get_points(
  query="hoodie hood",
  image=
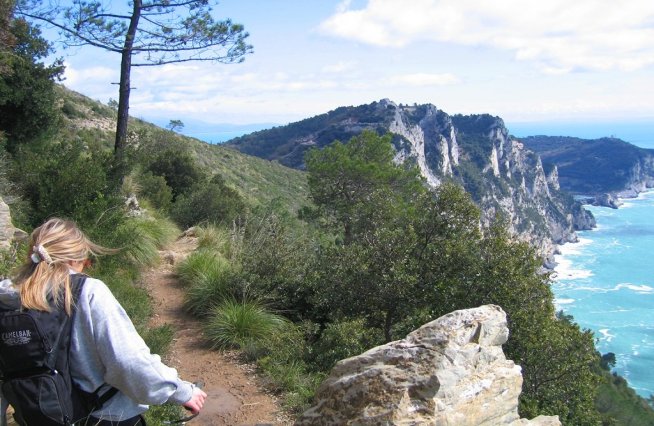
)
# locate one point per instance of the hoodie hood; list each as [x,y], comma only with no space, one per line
[9,297]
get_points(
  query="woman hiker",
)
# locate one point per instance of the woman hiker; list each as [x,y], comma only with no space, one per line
[105,350]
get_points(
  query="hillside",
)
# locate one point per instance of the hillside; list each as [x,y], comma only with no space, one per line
[475,151]
[258,180]
[596,166]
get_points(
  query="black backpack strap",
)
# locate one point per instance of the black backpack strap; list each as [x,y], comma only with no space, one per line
[76,283]
[101,400]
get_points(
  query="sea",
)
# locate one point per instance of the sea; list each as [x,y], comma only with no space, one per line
[606,280]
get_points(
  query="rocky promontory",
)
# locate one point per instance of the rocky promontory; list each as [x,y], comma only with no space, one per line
[600,170]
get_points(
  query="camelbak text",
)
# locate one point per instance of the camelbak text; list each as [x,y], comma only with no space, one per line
[19,337]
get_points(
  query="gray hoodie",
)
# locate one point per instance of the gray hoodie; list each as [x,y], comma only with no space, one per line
[106,349]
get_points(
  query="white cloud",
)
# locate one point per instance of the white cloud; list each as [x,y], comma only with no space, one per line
[423,79]
[339,67]
[96,80]
[558,34]
[75,76]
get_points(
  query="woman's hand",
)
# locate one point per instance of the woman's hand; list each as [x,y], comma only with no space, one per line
[196,402]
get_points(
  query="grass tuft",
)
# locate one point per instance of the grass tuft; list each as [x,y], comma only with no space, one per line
[142,238]
[237,324]
[215,238]
[210,279]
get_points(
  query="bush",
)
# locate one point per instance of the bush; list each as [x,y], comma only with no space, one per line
[213,237]
[159,338]
[155,189]
[66,180]
[12,258]
[213,203]
[179,169]
[342,340]
[235,324]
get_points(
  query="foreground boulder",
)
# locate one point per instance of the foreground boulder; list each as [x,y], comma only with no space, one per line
[451,371]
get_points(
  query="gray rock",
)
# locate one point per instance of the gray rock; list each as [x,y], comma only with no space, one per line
[451,371]
[7,230]
[606,200]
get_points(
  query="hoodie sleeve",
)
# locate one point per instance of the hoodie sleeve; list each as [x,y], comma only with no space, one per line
[126,360]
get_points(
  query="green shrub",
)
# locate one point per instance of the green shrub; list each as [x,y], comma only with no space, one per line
[292,378]
[159,415]
[70,110]
[12,258]
[210,279]
[342,340]
[67,180]
[234,324]
[159,338]
[155,189]
[179,169]
[212,203]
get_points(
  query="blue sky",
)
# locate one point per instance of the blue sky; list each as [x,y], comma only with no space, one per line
[523,60]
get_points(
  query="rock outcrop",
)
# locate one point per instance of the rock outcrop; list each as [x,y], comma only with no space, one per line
[451,371]
[8,232]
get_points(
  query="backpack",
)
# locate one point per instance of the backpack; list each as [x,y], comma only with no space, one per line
[34,366]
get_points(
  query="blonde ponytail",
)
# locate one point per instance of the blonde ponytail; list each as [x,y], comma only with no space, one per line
[53,246]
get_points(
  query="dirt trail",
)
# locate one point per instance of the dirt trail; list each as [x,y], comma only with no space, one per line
[234,395]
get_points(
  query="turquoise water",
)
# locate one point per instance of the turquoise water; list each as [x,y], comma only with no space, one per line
[606,281]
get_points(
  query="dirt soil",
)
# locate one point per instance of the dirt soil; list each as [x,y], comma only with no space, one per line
[235,393]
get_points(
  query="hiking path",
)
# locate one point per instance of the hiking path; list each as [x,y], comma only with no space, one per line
[236,395]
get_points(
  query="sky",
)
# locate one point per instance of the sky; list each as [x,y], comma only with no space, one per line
[527,61]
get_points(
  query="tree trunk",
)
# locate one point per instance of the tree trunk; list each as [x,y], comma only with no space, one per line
[388,323]
[124,91]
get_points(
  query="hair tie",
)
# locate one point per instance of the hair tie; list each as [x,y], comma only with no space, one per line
[39,253]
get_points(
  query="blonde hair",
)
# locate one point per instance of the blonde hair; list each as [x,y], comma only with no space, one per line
[46,273]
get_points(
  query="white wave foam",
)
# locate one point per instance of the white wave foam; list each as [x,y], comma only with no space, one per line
[564,301]
[615,243]
[565,271]
[606,336]
[568,249]
[645,194]
[641,289]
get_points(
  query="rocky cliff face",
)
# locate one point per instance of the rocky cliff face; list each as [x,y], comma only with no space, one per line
[451,371]
[501,174]
[476,151]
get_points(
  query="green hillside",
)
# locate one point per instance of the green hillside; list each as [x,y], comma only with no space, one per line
[258,180]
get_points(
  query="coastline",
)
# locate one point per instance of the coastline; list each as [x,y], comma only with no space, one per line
[599,282]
